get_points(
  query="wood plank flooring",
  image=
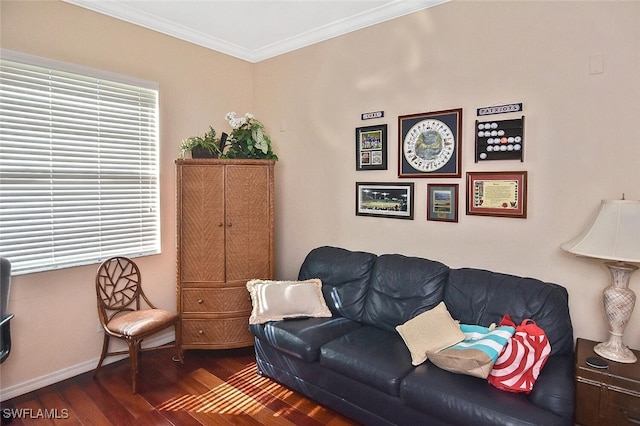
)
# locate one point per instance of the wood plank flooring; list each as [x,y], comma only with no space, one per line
[210,388]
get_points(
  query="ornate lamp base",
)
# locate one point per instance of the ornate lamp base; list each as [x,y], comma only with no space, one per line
[619,301]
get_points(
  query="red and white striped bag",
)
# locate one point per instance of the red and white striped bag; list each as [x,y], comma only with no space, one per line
[520,362]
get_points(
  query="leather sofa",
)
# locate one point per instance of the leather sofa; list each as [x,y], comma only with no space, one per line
[357,364]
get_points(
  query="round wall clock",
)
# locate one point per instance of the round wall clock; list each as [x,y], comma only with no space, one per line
[430,144]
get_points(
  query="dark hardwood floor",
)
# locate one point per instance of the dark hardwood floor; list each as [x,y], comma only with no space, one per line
[210,388]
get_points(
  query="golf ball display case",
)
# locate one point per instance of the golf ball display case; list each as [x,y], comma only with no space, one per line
[500,140]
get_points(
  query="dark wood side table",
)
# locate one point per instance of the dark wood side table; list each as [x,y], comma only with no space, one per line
[606,396]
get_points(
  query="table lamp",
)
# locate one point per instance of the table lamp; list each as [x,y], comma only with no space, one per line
[613,234]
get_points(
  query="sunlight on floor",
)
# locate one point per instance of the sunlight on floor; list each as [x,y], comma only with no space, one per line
[243,393]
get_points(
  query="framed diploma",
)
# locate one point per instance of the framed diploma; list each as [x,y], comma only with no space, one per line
[502,194]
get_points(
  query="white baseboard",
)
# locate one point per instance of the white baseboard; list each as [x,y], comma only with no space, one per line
[74,370]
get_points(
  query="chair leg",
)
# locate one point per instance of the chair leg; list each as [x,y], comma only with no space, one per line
[105,349]
[133,358]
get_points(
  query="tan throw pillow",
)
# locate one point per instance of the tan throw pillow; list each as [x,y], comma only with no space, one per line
[277,300]
[430,331]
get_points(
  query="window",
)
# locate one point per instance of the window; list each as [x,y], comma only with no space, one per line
[78,165]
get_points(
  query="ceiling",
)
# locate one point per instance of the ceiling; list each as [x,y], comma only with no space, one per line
[255,30]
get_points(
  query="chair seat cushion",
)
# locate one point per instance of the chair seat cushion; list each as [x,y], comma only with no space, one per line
[137,323]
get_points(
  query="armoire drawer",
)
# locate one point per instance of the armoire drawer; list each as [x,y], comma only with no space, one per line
[211,331]
[219,300]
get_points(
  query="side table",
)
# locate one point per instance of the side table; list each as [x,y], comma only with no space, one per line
[606,396]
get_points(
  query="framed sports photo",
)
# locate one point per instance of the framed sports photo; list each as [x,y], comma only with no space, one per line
[371,147]
[391,200]
[429,144]
[501,194]
[442,202]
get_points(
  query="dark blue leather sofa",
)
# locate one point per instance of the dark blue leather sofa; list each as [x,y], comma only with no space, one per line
[357,364]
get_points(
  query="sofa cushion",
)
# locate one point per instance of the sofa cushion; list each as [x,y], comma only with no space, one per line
[466,400]
[345,277]
[277,300]
[302,338]
[475,296]
[375,357]
[431,331]
[401,288]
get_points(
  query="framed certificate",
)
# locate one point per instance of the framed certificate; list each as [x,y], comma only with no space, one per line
[497,194]
[429,144]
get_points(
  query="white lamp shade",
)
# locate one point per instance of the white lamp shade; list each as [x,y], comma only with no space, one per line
[612,234]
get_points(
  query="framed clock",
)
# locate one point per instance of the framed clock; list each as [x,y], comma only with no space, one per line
[429,144]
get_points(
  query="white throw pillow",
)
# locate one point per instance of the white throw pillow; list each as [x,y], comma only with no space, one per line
[277,300]
[431,331]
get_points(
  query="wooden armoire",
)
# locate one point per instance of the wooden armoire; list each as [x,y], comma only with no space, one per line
[224,238]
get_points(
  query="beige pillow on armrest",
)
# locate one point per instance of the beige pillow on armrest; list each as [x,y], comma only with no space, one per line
[277,300]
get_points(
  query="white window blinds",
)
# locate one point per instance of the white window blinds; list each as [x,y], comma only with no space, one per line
[78,166]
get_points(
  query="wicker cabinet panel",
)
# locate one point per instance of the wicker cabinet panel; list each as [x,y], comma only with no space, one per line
[217,333]
[224,238]
[219,300]
[248,216]
[201,207]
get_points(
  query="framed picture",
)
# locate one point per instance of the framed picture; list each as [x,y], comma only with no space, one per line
[371,148]
[497,194]
[392,200]
[429,144]
[442,202]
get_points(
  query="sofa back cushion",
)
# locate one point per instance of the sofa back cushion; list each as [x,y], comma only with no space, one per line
[475,296]
[401,288]
[345,278]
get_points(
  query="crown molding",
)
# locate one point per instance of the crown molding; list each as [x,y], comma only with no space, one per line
[391,10]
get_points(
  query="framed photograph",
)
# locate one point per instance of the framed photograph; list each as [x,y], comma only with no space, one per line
[429,144]
[392,200]
[497,194]
[371,148]
[442,202]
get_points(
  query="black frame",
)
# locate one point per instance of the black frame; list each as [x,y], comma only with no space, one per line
[371,157]
[386,206]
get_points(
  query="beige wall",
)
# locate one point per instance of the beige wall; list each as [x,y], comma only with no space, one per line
[55,329]
[580,143]
[581,130]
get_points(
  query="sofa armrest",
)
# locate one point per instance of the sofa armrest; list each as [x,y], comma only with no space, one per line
[555,389]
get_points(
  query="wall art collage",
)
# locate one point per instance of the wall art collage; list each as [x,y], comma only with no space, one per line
[430,146]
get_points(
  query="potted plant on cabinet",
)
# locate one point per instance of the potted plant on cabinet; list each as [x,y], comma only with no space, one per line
[248,138]
[206,146]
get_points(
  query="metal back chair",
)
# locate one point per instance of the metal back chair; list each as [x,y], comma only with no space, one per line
[126,313]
